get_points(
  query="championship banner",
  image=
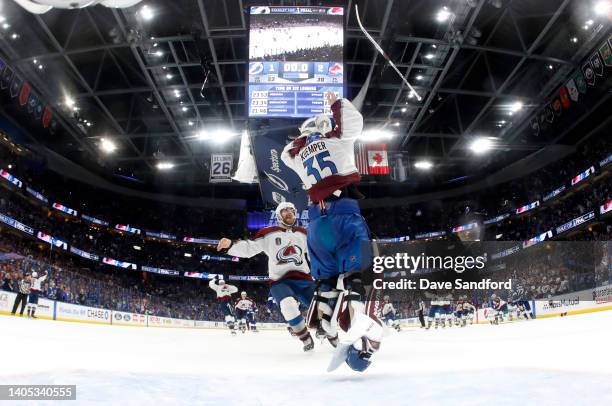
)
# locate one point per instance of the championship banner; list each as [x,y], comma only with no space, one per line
[597,64]
[7,79]
[277,182]
[221,166]
[606,54]
[589,73]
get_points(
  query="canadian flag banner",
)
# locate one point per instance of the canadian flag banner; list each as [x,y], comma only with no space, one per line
[378,161]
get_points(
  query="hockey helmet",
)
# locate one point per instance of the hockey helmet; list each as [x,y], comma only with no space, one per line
[356,360]
[320,124]
[282,206]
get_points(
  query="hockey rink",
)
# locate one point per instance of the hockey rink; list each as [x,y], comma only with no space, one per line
[555,361]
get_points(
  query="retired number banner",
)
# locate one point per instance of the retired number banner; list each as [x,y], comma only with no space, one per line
[221,166]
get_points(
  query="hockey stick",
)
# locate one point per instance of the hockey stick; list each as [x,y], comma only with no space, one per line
[383,53]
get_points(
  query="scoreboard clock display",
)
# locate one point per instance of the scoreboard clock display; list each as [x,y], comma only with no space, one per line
[295,57]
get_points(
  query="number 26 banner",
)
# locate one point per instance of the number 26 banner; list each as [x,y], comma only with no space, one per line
[221,166]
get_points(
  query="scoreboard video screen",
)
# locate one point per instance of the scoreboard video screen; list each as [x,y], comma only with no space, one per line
[295,56]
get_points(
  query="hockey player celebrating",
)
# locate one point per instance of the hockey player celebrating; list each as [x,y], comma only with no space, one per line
[35,291]
[245,313]
[224,293]
[338,238]
[285,246]
[388,314]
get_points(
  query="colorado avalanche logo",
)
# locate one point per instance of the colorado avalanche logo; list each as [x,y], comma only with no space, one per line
[290,253]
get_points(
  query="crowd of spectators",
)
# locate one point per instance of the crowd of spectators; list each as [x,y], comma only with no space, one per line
[71,280]
[77,280]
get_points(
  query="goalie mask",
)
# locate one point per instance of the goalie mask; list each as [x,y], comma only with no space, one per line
[318,124]
[279,217]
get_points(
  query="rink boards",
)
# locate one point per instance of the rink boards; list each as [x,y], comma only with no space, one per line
[586,301]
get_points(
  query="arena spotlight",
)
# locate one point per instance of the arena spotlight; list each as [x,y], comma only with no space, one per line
[443,15]
[69,101]
[481,145]
[164,166]
[146,13]
[221,136]
[107,145]
[423,165]
[376,135]
[429,56]
[603,7]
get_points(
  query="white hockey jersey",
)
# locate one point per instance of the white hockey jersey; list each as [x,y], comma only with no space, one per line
[388,308]
[286,250]
[37,283]
[326,163]
[245,304]
[224,292]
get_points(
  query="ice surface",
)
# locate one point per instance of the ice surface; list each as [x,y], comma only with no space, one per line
[556,361]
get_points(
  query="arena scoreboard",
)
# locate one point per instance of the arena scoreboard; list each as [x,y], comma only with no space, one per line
[296,55]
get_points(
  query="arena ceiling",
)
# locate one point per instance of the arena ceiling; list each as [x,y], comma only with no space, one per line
[138,82]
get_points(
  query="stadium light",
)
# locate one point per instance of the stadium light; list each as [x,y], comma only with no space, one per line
[188,255]
[376,135]
[164,166]
[429,56]
[107,146]
[423,165]
[603,7]
[6,26]
[137,247]
[184,109]
[146,13]
[69,101]
[516,106]
[169,76]
[443,15]
[481,145]
[574,39]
